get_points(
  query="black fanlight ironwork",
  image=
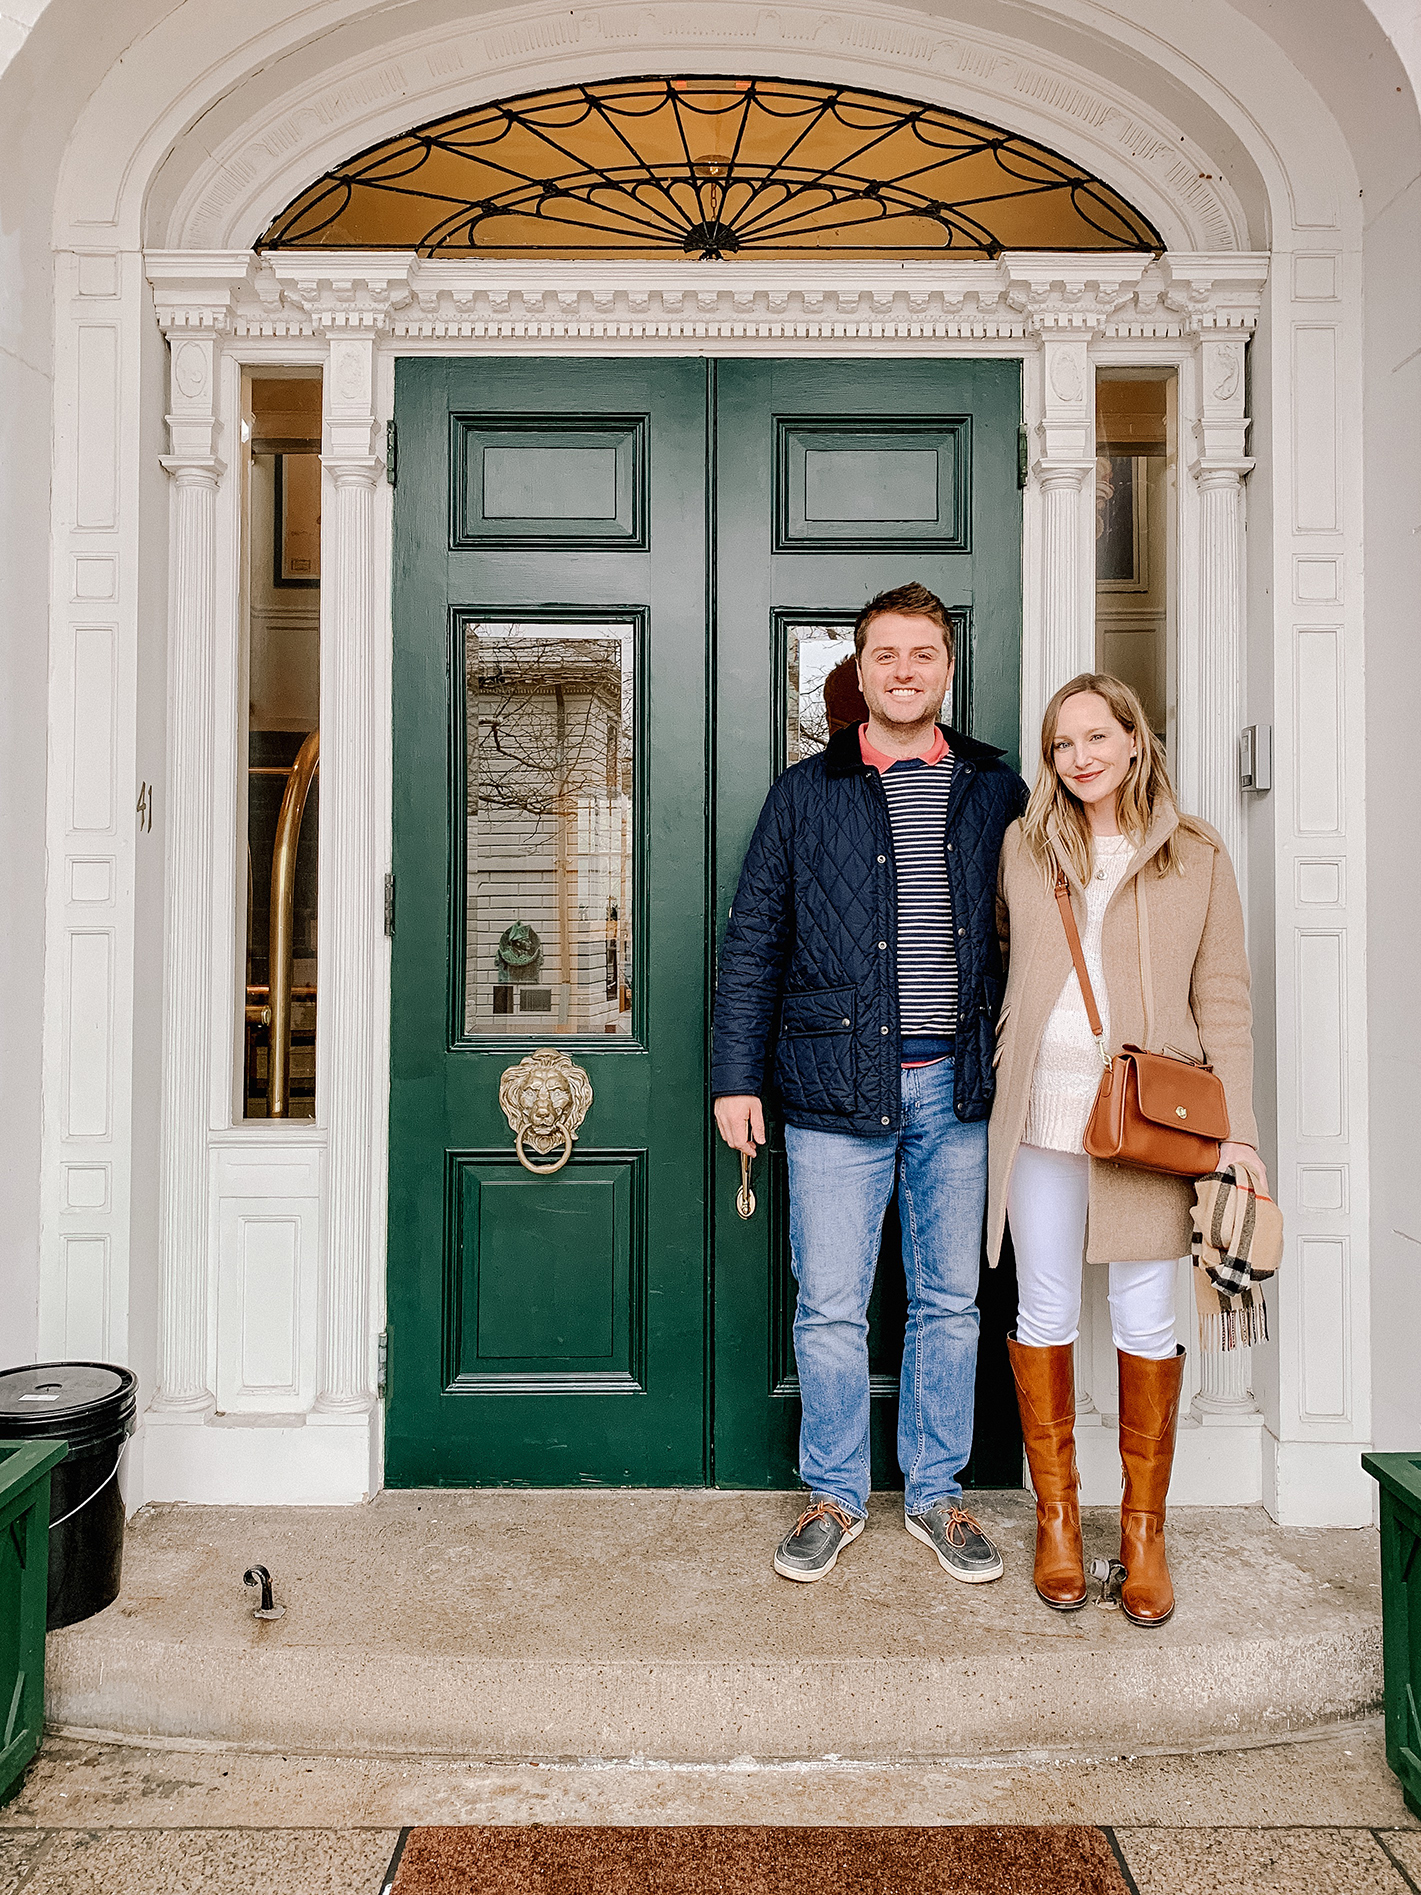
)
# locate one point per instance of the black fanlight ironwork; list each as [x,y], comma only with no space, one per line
[710,168]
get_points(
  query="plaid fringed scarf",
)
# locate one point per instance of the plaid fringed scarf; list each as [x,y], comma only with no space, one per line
[1237,1245]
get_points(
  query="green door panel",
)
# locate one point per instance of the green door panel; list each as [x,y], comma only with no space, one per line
[548,1297]
[835,480]
[548,1330]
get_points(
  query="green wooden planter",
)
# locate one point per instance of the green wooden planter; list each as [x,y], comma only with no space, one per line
[24,1581]
[1399,1477]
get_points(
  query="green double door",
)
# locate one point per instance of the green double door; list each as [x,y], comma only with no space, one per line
[619,587]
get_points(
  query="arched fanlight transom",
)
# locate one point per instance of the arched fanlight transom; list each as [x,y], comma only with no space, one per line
[710,168]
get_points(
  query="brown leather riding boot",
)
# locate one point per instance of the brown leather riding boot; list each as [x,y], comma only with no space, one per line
[1046,1397]
[1149,1414]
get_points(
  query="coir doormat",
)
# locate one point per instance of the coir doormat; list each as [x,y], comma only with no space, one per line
[563,1859]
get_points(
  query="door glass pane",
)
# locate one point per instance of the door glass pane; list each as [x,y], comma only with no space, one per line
[549,767]
[812,652]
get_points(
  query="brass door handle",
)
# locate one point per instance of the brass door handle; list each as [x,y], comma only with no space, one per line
[545,1099]
[745,1197]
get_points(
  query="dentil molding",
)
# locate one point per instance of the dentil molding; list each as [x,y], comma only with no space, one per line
[410,301]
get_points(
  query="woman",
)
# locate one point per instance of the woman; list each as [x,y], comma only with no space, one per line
[1150,890]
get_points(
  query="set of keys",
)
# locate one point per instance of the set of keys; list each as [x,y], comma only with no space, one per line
[745,1197]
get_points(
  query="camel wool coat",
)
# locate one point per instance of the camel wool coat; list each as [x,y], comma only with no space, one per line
[1199,973]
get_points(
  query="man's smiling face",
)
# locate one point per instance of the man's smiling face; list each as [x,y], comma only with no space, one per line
[904,671]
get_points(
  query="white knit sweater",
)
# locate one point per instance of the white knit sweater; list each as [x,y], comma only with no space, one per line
[1067,1075]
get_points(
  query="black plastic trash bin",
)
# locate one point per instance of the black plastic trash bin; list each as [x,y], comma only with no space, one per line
[90,1405]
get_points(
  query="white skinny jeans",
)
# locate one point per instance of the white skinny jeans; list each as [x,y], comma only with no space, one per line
[1047,1208]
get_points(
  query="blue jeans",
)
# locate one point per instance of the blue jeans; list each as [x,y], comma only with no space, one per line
[839,1188]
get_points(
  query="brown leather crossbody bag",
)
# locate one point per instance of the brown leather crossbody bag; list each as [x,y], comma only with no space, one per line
[1153,1111]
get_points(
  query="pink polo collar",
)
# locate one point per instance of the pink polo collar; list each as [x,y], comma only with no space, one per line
[935,753]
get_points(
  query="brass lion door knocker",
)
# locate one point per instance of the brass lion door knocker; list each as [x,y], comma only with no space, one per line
[545,1099]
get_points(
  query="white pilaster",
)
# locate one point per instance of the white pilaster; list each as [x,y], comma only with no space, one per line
[1066,302]
[1219,300]
[1065,467]
[183,1373]
[351,312]
[184,1346]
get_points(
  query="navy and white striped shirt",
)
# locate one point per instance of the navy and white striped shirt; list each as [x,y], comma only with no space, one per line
[917,795]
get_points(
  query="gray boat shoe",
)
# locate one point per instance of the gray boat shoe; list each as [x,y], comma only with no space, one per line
[816,1539]
[962,1548]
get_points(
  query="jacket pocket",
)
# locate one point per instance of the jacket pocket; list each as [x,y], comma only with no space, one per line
[814,1060]
[829,1011]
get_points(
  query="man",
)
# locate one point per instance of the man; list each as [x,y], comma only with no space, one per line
[859,986]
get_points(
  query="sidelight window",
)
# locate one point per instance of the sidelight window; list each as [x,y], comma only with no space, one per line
[1135,491]
[549,773]
[282,558]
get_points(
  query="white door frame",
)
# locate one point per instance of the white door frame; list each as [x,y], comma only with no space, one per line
[358,313]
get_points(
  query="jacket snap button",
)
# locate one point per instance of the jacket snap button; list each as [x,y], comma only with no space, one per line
[883,858]
[883,1121]
[883,1029]
[848,1023]
[949,848]
[883,944]
[962,930]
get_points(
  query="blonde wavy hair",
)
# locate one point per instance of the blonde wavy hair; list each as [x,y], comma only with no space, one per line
[1055,827]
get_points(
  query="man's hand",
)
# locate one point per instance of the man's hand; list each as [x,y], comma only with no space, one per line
[741,1122]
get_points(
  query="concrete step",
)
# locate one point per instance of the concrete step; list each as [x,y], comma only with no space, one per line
[592,1624]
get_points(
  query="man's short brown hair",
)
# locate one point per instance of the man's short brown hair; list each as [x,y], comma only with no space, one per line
[912,601]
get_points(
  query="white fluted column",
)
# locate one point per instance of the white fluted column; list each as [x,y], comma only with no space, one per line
[183,1264]
[1066,633]
[1209,751]
[1065,473]
[351,839]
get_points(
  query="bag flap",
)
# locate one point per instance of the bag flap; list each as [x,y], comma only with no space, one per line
[1185,1098]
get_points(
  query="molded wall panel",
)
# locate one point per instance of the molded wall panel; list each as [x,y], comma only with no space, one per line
[87,1036]
[268,1255]
[96,473]
[1325,1303]
[1320,723]
[86,1295]
[92,795]
[1322,1090]
[266,1213]
[1315,472]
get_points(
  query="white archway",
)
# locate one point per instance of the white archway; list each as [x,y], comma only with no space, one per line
[248,113]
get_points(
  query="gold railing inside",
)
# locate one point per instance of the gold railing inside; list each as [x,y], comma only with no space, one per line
[280,940]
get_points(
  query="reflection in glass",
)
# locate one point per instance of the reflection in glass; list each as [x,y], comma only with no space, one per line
[549,772]
[811,653]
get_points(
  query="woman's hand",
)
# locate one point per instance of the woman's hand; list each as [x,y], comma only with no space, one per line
[1246,1156]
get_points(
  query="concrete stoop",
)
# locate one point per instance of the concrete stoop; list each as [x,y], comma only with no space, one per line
[593,1624]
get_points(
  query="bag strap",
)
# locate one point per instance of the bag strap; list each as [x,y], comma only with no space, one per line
[1068,921]
[1147,985]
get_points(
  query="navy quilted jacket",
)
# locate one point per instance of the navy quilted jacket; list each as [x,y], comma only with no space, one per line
[806,1010]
